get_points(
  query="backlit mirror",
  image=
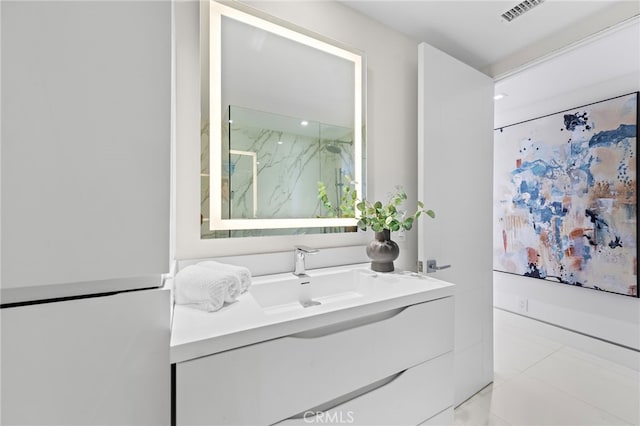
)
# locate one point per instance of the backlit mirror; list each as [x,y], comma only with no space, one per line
[282,151]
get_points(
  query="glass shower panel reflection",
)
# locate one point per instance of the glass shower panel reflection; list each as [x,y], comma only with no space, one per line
[243,182]
[337,169]
[273,165]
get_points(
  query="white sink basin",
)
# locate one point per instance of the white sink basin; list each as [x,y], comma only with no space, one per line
[283,292]
[272,307]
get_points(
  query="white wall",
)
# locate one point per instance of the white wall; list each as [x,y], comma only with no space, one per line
[391,119]
[598,69]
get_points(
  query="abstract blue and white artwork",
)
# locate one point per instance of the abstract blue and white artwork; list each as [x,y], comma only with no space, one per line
[565,197]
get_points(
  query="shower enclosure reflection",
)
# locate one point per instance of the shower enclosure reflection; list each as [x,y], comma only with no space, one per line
[273,167]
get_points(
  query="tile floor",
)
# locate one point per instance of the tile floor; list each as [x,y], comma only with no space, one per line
[540,381]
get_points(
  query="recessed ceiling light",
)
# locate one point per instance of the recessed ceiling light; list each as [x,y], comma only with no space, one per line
[304,123]
[280,142]
[499,96]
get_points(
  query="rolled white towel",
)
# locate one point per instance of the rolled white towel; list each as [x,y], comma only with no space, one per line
[233,288]
[243,273]
[204,288]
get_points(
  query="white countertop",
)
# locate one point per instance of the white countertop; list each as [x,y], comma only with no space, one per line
[197,333]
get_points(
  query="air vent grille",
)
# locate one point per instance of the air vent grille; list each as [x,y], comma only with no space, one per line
[520,9]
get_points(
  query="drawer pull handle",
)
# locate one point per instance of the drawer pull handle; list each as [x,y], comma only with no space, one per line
[346,325]
[334,403]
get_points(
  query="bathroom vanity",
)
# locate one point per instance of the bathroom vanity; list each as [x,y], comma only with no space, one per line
[341,345]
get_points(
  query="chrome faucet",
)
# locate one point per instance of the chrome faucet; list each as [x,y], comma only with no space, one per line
[299,255]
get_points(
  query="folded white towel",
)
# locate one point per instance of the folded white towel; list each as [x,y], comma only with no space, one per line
[243,273]
[205,288]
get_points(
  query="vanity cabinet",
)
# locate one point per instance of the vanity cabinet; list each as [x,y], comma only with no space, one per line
[86,143]
[393,367]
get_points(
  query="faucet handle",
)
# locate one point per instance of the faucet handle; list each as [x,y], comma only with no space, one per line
[299,254]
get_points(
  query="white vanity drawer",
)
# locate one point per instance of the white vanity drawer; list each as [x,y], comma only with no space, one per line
[443,418]
[274,380]
[417,394]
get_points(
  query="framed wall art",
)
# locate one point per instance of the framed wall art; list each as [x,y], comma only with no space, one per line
[565,197]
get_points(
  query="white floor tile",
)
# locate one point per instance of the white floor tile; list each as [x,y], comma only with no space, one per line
[519,351]
[601,362]
[526,401]
[616,354]
[538,382]
[601,383]
[502,374]
[477,411]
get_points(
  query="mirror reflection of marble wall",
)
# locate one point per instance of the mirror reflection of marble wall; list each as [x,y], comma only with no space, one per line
[271,168]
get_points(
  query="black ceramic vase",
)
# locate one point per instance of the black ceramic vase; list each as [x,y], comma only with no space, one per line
[382,251]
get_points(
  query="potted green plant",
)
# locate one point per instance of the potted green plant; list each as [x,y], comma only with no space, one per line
[382,219]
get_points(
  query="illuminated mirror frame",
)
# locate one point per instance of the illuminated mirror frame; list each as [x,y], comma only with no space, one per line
[217,11]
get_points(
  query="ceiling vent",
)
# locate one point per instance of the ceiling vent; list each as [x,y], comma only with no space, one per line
[520,9]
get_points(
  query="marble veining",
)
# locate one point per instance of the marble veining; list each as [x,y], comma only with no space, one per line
[285,160]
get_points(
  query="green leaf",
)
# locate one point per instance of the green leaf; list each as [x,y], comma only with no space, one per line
[431,214]
[378,216]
